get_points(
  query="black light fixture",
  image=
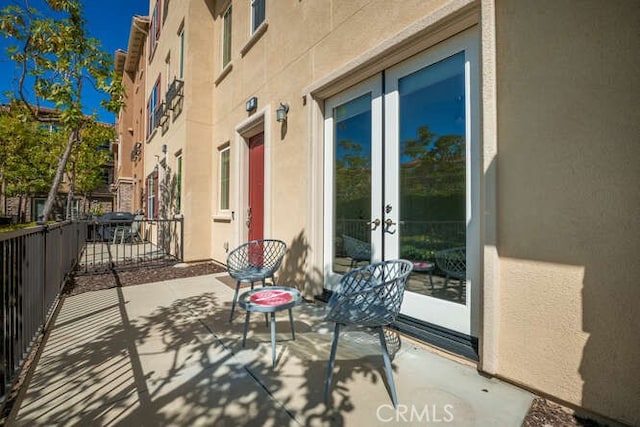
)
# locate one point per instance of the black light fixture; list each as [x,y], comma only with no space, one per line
[281,112]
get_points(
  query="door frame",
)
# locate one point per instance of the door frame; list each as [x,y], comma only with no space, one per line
[467,319]
[251,126]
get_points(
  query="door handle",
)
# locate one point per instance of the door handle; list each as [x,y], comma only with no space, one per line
[375,223]
[248,221]
[388,223]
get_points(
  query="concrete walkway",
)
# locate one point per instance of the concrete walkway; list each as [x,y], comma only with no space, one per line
[165,354]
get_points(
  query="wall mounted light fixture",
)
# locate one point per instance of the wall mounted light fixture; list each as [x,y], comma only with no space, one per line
[281,112]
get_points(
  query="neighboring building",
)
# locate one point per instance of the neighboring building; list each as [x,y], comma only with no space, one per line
[507,129]
[130,124]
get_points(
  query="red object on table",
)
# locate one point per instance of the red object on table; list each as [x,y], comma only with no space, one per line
[271,298]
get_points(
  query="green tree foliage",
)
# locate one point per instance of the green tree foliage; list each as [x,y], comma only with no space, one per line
[29,153]
[55,55]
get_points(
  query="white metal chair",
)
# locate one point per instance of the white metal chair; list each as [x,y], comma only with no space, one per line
[368,296]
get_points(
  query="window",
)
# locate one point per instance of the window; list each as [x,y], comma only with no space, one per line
[152,191]
[165,11]
[154,31]
[224,172]
[181,35]
[257,14]
[178,183]
[167,63]
[226,37]
[152,106]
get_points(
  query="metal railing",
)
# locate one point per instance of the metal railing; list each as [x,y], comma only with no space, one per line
[139,243]
[34,264]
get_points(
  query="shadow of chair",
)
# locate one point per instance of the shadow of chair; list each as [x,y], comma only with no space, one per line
[254,261]
[130,233]
[357,250]
[453,262]
[369,296]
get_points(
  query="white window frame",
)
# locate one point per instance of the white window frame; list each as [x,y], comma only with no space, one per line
[179,168]
[224,181]
[255,4]
[227,19]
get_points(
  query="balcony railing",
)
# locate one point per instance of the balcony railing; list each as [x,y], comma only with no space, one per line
[34,263]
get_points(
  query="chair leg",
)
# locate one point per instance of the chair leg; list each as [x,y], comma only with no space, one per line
[387,367]
[244,332]
[233,303]
[332,358]
[293,330]
[273,338]
[266,316]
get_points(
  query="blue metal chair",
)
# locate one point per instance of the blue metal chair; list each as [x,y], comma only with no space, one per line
[453,262]
[254,261]
[368,296]
[357,250]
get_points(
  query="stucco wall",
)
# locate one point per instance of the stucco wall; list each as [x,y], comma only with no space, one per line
[568,200]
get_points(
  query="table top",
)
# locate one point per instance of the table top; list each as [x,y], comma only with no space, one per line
[270,298]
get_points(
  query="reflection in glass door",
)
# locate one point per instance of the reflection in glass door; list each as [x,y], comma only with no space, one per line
[353,154]
[432,167]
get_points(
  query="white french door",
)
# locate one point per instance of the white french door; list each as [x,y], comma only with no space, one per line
[402,173]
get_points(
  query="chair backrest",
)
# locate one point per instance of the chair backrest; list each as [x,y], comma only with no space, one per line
[135,225]
[265,254]
[453,262]
[356,249]
[370,295]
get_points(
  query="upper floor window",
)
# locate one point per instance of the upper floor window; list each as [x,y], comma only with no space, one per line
[152,105]
[167,63]
[226,37]
[154,31]
[165,11]
[257,14]
[181,64]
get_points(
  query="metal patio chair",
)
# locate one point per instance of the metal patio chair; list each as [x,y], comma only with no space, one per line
[254,261]
[368,296]
[453,262]
[129,233]
[357,250]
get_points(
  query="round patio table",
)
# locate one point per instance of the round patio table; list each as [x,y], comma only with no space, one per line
[425,267]
[269,300]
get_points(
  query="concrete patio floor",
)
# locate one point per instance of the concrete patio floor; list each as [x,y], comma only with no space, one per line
[165,354]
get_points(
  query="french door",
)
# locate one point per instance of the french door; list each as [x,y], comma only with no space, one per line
[402,172]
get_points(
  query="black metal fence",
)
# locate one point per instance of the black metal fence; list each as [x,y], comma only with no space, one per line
[34,263]
[119,245]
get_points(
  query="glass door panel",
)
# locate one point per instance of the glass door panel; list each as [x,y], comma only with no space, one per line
[352,170]
[430,141]
[352,184]
[432,186]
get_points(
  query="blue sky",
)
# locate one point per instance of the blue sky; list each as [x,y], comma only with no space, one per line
[107,20]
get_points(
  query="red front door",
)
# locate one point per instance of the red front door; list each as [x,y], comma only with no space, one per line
[255,217]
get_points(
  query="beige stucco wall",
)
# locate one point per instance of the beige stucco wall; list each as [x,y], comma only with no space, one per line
[303,42]
[568,200]
[187,131]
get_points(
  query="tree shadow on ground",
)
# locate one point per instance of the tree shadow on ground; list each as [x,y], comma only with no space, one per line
[183,364]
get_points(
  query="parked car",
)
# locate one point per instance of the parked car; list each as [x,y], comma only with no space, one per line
[107,224]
